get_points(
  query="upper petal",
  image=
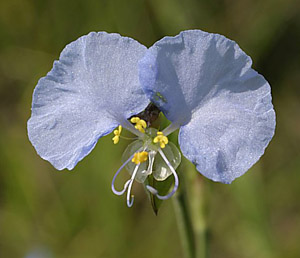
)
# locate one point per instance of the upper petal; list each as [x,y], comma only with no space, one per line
[179,74]
[205,82]
[92,88]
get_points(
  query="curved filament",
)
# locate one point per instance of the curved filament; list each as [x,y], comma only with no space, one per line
[117,173]
[154,191]
[130,198]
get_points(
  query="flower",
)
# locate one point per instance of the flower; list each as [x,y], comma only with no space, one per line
[202,82]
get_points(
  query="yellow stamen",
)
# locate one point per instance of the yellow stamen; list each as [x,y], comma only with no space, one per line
[140,157]
[140,124]
[117,134]
[163,140]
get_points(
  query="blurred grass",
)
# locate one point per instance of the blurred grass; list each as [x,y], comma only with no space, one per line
[75,214]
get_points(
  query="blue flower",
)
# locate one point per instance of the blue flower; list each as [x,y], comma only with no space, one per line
[202,82]
[204,85]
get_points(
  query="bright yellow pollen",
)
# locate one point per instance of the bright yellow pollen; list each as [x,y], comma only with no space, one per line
[163,140]
[117,134]
[140,157]
[140,124]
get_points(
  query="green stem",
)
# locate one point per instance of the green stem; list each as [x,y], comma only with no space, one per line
[184,225]
[198,216]
[189,210]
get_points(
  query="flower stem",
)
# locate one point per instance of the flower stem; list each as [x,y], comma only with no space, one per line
[189,210]
[184,225]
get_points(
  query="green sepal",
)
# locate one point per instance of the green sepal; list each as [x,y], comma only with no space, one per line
[162,187]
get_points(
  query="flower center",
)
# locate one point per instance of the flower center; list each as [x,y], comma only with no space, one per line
[152,154]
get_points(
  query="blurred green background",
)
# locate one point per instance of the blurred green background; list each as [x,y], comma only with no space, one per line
[45,213]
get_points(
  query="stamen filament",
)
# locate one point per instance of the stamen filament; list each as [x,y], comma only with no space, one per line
[117,173]
[151,161]
[154,191]
[170,129]
[128,138]
[126,124]
[130,198]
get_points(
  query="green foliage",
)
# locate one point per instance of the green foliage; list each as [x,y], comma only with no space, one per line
[162,187]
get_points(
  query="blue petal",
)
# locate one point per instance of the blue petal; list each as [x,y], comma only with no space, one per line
[224,139]
[181,73]
[204,82]
[91,89]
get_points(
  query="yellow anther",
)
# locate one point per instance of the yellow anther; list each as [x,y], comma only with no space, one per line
[140,157]
[134,120]
[143,123]
[117,134]
[140,124]
[163,140]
